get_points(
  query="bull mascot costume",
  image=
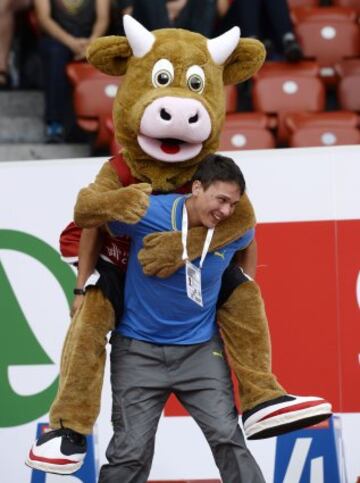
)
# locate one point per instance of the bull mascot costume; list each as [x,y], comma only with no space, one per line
[168,114]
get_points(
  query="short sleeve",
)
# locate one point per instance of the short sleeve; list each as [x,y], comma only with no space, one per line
[116,228]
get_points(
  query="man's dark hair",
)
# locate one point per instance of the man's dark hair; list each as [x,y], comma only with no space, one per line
[216,167]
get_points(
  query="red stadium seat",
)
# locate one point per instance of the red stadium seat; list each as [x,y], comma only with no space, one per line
[280,88]
[348,3]
[328,35]
[93,97]
[348,89]
[246,131]
[323,129]
[79,71]
[302,3]
[231,96]
[114,146]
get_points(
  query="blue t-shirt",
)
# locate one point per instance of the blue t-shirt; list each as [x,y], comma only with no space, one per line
[158,310]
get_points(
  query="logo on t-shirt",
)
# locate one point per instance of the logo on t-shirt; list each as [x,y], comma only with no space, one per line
[71,6]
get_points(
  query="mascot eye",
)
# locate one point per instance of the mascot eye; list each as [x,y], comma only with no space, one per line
[162,73]
[195,78]
[163,78]
[195,83]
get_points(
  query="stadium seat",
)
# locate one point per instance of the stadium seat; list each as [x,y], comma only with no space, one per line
[280,88]
[323,129]
[114,146]
[93,97]
[302,3]
[328,35]
[348,3]
[246,131]
[79,71]
[231,96]
[348,89]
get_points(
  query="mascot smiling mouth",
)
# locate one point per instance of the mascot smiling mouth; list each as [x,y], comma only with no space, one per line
[174,128]
[170,150]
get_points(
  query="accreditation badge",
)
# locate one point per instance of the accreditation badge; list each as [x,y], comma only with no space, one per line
[193,283]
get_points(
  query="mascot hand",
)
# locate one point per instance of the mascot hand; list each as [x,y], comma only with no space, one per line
[130,203]
[161,254]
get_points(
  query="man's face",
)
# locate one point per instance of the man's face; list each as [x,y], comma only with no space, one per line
[216,203]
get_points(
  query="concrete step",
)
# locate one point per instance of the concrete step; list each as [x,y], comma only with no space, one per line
[21,103]
[11,152]
[21,129]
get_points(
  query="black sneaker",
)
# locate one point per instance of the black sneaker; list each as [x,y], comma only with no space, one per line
[59,451]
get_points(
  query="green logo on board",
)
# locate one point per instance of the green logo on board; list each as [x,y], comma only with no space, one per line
[18,344]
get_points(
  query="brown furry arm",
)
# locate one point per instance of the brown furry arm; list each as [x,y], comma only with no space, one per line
[162,252]
[106,200]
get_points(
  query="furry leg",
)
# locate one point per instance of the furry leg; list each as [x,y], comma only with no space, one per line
[77,403]
[244,327]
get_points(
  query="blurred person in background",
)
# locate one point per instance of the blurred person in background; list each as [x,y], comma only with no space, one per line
[67,27]
[119,8]
[8,10]
[195,15]
[266,20]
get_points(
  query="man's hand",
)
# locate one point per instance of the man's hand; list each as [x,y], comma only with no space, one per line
[78,46]
[76,305]
[161,254]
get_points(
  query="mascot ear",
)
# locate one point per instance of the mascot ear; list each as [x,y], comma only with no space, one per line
[244,62]
[109,54]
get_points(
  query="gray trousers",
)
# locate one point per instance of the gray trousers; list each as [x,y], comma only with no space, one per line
[143,376]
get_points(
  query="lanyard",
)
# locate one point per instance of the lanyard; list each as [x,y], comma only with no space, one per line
[184,233]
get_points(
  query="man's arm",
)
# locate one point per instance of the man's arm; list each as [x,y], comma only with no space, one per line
[89,249]
[102,19]
[247,259]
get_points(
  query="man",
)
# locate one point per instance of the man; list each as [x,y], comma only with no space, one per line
[168,342]
[67,30]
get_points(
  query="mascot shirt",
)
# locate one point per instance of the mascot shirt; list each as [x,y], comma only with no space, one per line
[158,310]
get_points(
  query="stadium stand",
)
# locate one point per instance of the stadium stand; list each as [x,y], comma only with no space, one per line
[302,3]
[328,35]
[323,129]
[280,95]
[246,131]
[93,97]
[348,3]
[231,93]
[280,88]
[348,89]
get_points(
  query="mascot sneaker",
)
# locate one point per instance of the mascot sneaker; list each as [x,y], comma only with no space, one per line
[59,451]
[284,414]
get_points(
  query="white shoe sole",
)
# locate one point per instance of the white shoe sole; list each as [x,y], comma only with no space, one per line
[287,422]
[53,468]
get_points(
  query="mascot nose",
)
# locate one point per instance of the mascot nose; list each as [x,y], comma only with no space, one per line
[176,117]
[166,116]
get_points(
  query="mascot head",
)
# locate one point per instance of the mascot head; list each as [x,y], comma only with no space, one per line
[170,106]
